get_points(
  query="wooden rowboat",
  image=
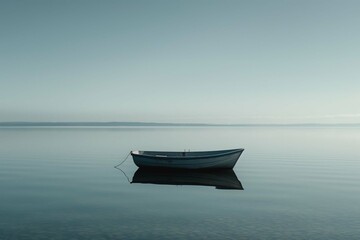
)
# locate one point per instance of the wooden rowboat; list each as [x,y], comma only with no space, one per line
[225,159]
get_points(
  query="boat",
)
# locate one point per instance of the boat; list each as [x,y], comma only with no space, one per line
[220,178]
[187,160]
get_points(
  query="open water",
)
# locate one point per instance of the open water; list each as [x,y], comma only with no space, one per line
[60,183]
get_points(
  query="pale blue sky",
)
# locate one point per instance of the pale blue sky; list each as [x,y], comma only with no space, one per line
[180,61]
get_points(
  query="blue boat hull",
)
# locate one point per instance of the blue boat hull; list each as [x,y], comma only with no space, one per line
[224,159]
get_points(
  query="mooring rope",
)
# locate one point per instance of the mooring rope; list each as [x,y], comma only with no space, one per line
[117,167]
[123,160]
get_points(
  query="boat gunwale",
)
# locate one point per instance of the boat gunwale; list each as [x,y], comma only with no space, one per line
[227,152]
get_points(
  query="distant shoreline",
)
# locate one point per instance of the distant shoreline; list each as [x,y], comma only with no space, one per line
[157,124]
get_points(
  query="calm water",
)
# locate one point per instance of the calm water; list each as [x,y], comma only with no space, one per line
[60,183]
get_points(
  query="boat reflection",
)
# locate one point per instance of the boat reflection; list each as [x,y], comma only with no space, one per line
[220,179]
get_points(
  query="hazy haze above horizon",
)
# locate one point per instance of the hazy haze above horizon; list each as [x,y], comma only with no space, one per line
[180,61]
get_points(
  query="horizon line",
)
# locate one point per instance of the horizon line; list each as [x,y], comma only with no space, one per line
[154,124]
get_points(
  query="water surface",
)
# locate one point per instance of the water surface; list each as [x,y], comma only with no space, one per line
[299,183]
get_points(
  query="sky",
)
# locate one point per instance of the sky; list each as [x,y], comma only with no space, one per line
[180,61]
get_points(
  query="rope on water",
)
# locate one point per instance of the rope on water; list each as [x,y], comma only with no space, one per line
[123,160]
[117,167]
